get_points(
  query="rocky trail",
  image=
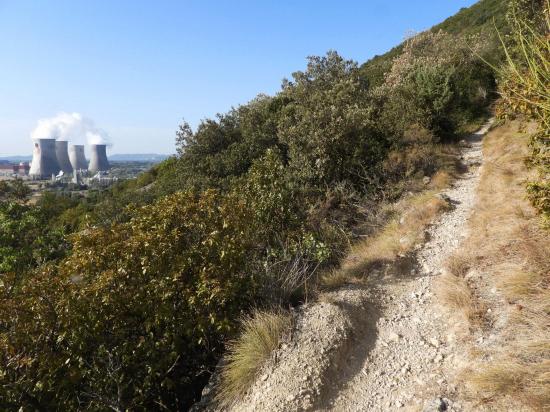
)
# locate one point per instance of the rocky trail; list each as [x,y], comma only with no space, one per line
[412,361]
[383,346]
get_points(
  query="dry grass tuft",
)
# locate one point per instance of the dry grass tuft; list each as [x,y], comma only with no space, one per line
[454,293]
[494,379]
[524,382]
[336,279]
[520,284]
[260,336]
[458,264]
[440,180]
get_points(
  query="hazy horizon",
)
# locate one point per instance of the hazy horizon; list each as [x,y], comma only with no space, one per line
[137,69]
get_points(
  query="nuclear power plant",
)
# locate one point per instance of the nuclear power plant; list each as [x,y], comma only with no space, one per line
[77,157]
[44,159]
[51,157]
[98,158]
[62,155]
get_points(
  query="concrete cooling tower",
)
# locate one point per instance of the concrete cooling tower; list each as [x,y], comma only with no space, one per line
[98,158]
[77,157]
[44,160]
[62,154]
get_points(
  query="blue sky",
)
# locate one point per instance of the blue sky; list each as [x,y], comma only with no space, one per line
[138,67]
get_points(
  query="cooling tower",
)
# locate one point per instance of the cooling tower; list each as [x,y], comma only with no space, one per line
[77,157]
[44,160]
[98,158]
[62,154]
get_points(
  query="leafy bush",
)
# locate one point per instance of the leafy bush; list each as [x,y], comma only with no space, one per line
[14,190]
[329,125]
[28,234]
[437,82]
[136,313]
[25,238]
[222,149]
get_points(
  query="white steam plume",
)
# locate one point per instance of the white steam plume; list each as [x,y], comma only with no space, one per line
[72,127]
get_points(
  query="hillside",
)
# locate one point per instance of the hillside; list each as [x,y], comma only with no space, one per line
[479,19]
[434,328]
[301,251]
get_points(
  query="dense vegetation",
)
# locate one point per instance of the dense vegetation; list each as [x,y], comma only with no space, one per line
[125,301]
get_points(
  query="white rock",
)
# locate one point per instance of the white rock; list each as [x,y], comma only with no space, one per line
[393,337]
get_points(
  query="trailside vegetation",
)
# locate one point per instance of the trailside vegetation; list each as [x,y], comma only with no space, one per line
[525,89]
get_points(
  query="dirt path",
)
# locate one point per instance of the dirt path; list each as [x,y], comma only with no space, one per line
[378,347]
[413,358]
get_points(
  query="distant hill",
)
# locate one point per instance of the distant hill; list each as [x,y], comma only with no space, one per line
[15,159]
[140,157]
[483,17]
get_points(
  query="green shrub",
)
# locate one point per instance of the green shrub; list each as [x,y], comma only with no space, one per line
[329,125]
[136,314]
[28,234]
[438,82]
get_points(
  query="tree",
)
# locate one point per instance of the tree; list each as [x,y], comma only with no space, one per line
[328,124]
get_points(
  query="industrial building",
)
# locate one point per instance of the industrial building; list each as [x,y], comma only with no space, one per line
[98,159]
[77,157]
[56,158]
[44,159]
[10,169]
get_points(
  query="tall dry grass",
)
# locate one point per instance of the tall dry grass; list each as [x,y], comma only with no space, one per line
[260,335]
[397,238]
[525,90]
[512,252]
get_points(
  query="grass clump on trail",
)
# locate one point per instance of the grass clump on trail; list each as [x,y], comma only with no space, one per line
[454,292]
[261,333]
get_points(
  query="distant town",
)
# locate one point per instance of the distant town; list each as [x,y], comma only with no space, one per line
[122,165]
[67,169]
